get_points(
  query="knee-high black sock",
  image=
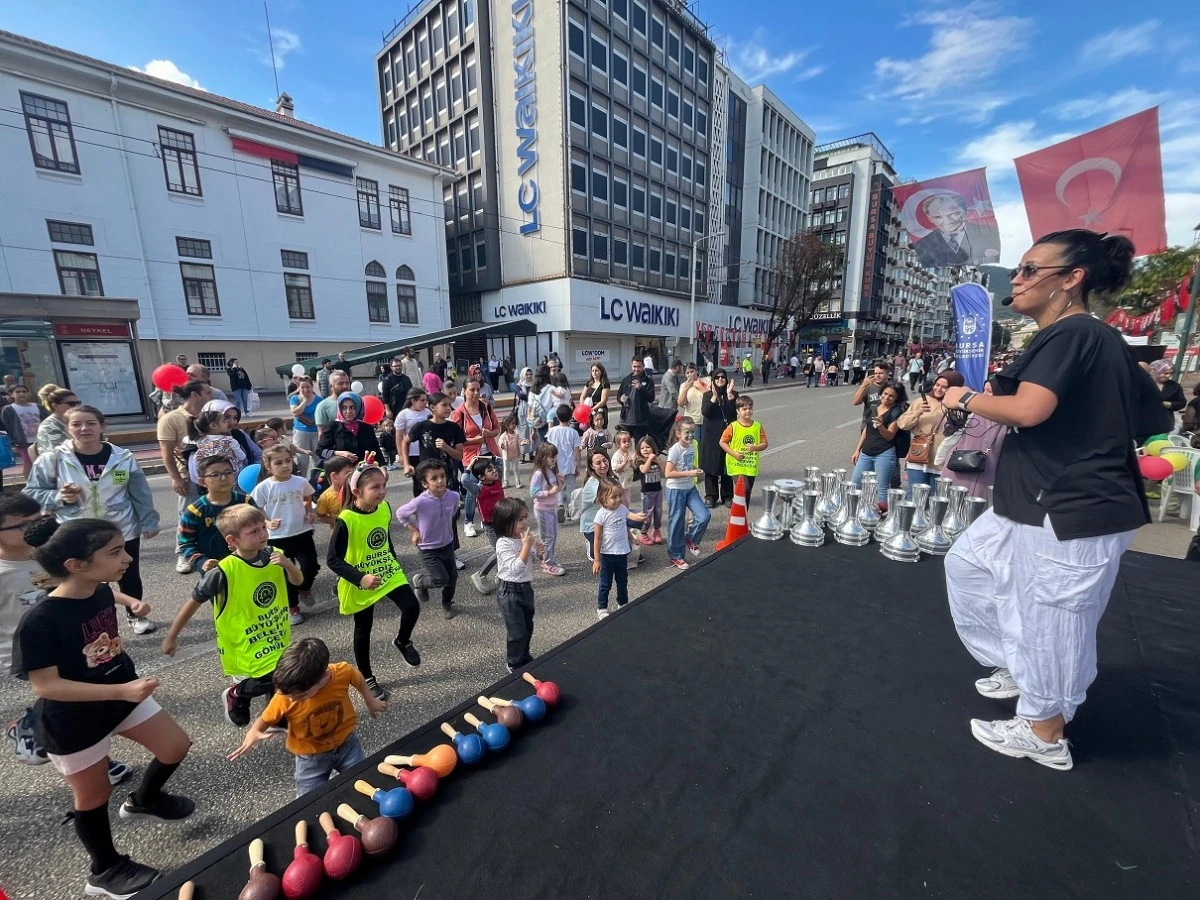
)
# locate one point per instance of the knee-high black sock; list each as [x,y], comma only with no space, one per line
[151,787]
[95,833]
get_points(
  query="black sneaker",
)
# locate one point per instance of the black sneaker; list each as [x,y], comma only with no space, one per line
[408,651]
[237,709]
[121,880]
[376,689]
[168,808]
[448,610]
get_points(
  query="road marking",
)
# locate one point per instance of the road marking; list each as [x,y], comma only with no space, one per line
[848,424]
[782,447]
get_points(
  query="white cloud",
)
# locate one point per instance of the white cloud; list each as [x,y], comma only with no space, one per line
[755,63]
[168,71]
[283,42]
[1121,43]
[966,49]
[1110,106]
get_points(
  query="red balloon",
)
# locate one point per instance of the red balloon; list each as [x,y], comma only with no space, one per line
[168,376]
[1155,468]
[583,414]
[373,410]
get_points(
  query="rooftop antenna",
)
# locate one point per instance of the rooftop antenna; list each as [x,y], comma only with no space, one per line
[271,47]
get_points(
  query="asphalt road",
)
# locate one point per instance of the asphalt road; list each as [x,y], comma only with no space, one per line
[41,859]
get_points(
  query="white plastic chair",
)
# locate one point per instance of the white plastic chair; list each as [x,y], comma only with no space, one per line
[1180,440]
[1182,482]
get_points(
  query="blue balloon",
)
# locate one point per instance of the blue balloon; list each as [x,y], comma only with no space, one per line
[249,477]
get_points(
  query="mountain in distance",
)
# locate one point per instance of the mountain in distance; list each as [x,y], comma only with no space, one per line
[1000,287]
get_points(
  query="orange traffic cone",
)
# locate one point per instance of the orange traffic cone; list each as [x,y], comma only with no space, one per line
[737,527]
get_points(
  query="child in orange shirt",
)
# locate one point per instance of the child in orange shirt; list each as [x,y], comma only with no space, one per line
[307,689]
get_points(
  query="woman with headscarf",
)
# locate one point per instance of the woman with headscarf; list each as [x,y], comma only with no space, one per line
[930,423]
[349,437]
[524,395]
[719,413]
[1173,397]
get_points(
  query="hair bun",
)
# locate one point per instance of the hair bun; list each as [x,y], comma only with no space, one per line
[1115,268]
[37,533]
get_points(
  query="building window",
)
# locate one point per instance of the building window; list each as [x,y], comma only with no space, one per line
[639,256]
[196,248]
[655,206]
[294,259]
[672,159]
[685,218]
[843,191]
[368,203]
[70,233]
[578,111]
[689,59]
[702,70]
[686,118]
[215,361]
[639,200]
[600,247]
[698,221]
[600,186]
[78,274]
[673,104]
[298,289]
[700,174]
[377,302]
[673,46]
[656,92]
[620,68]
[287,188]
[51,137]
[701,122]
[579,242]
[656,32]
[669,268]
[672,209]
[620,132]
[639,18]
[656,151]
[620,253]
[639,142]
[575,41]
[481,255]
[599,55]
[179,161]
[639,80]
[620,9]
[578,178]
[406,296]
[620,193]
[655,260]
[599,123]
[200,289]
[306,355]
[398,203]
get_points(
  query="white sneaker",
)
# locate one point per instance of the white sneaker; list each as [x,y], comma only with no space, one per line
[485,584]
[469,529]
[1014,737]
[142,625]
[459,564]
[998,686]
[183,567]
[602,614]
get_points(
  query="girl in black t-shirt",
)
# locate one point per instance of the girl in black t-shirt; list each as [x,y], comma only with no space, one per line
[876,450]
[69,648]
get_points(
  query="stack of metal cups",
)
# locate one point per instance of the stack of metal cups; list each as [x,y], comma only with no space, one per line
[868,508]
[900,546]
[767,527]
[827,506]
[789,490]
[807,530]
[850,532]
[891,524]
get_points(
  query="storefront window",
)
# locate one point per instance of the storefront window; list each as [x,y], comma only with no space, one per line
[27,350]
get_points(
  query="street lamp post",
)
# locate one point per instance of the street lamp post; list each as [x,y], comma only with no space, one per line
[692,287]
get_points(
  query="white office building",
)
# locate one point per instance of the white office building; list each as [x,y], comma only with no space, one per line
[143,219]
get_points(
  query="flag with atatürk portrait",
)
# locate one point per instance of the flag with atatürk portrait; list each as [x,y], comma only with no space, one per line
[950,220]
[1108,180]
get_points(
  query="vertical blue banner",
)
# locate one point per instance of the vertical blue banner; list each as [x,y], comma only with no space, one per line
[973,328]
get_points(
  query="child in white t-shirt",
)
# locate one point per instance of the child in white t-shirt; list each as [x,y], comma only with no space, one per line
[286,500]
[566,439]
[515,550]
[611,548]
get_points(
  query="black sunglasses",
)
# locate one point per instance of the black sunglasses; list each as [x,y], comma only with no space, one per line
[1029,270]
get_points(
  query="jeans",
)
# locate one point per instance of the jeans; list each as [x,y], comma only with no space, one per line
[471,495]
[515,599]
[808,379]
[440,572]
[313,771]
[613,567]
[916,476]
[241,399]
[882,465]
[679,504]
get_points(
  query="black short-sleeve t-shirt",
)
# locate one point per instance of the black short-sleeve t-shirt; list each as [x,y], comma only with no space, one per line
[80,639]
[1078,466]
[425,435]
[875,443]
[94,463]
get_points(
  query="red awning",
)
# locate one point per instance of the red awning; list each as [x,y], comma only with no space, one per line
[256,149]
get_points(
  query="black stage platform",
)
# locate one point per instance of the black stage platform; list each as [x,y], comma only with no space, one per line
[782,722]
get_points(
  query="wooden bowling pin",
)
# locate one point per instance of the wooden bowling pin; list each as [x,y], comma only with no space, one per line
[495,736]
[533,708]
[547,690]
[509,716]
[422,782]
[263,885]
[303,875]
[378,835]
[470,747]
[187,890]
[343,852]
[395,804]
[441,759]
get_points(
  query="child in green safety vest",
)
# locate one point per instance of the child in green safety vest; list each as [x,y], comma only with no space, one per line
[249,597]
[361,555]
[742,442]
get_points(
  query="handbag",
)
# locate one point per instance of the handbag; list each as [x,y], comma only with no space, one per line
[920,448]
[969,461]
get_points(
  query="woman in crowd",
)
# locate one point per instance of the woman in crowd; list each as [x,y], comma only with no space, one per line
[1172,392]
[1030,579]
[876,450]
[969,457]
[597,389]
[526,398]
[304,405]
[930,423]
[691,399]
[233,416]
[349,437]
[478,422]
[718,412]
[57,401]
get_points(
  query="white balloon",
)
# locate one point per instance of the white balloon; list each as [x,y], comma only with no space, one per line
[357,387]
[297,369]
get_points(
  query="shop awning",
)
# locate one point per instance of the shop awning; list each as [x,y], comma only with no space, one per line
[517,327]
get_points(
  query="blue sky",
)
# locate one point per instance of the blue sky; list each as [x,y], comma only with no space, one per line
[947,86]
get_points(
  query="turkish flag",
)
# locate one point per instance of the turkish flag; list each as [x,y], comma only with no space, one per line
[1107,180]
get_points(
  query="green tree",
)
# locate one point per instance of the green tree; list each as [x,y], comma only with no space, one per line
[1154,277]
[1000,337]
[799,284]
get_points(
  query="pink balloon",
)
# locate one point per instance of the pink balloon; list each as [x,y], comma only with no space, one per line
[373,411]
[1155,468]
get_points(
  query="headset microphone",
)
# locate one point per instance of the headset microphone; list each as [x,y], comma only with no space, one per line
[1007,301]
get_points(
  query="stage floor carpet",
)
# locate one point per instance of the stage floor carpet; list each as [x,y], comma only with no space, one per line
[783,722]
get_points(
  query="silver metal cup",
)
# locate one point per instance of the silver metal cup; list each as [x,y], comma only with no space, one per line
[941,487]
[900,546]
[839,517]
[807,532]
[767,527]
[976,507]
[850,532]
[891,524]
[827,505]
[789,489]
[934,540]
[954,523]
[920,498]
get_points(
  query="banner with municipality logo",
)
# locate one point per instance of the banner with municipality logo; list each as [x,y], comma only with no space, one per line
[973,327]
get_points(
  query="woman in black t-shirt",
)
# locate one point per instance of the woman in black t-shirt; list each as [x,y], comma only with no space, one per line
[1029,581]
[70,649]
[876,450]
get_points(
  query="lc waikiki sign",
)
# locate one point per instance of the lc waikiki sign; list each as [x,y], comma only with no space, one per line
[525,94]
[638,312]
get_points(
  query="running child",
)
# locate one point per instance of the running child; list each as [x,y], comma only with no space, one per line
[514,569]
[312,700]
[648,463]
[611,547]
[329,504]
[248,593]
[362,556]
[545,487]
[742,442]
[200,542]
[430,518]
[683,472]
[566,439]
[491,492]
[286,500]
[69,648]
[510,452]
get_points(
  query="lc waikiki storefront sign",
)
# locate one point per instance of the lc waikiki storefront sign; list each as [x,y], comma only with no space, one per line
[638,312]
[525,95]
[739,330]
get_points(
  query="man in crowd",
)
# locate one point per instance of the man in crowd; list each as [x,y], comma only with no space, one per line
[868,393]
[648,364]
[635,395]
[342,366]
[394,386]
[323,374]
[327,411]
[239,385]
[439,366]
[794,365]
[412,368]
[197,372]
[668,389]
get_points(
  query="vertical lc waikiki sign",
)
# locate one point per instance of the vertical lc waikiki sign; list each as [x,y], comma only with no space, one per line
[525,95]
